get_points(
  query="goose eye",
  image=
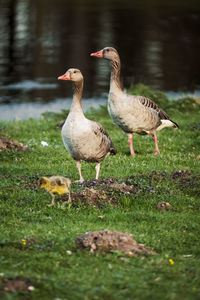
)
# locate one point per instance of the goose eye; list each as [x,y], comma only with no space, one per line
[74,71]
[107,50]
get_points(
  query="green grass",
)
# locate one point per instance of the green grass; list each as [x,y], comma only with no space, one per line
[50,232]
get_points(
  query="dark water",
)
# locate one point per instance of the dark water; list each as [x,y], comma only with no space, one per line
[158,41]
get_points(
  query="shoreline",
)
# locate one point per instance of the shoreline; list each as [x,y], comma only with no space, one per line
[34,110]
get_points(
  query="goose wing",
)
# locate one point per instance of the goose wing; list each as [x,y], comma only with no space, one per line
[106,141]
[151,104]
[161,113]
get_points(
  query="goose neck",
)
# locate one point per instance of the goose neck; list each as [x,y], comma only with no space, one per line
[77,103]
[115,75]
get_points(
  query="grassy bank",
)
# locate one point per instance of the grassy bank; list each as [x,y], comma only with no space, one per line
[37,242]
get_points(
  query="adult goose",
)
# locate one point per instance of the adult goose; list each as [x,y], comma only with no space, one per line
[133,114]
[84,139]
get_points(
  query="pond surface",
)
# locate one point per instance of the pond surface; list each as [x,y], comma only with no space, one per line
[158,41]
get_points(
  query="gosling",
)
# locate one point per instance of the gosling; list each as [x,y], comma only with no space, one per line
[56,185]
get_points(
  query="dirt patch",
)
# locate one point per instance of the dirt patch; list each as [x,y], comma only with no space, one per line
[187,180]
[103,181]
[102,192]
[156,176]
[113,184]
[123,187]
[9,144]
[109,190]
[183,180]
[91,196]
[108,241]
[16,285]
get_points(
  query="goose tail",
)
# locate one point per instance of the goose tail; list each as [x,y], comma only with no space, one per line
[167,123]
[175,124]
[113,151]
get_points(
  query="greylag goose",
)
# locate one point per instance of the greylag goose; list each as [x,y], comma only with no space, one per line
[84,139]
[133,114]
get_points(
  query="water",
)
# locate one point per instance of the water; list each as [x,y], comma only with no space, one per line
[24,111]
[158,42]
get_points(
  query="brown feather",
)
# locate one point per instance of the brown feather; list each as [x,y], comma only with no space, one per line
[149,103]
[161,113]
[99,129]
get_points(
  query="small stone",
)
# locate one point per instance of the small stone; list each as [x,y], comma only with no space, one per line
[101,217]
[158,279]
[165,206]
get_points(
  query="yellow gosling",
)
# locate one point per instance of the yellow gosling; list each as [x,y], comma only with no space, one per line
[56,185]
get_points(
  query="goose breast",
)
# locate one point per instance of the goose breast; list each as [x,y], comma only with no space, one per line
[82,141]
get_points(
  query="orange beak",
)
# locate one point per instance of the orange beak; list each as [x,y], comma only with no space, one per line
[97,54]
[66,76]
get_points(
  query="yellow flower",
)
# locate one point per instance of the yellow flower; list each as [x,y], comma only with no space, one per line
[23,241]
[171,261]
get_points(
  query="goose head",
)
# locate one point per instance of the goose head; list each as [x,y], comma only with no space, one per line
[43,182]
[72,75]
[108,53]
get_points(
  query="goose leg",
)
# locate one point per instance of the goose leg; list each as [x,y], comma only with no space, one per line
[156,144]
[53,200]
[69,198]
[97,170]
[78,164]
[130,141]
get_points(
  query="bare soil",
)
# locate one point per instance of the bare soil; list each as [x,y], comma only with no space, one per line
[91,196]
[108,241]
[9,144]
[100,193]
[15,285]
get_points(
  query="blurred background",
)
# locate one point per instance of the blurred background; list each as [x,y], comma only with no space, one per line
[158,42]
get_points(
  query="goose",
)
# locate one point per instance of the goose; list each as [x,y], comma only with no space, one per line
[83,139]
[133,114]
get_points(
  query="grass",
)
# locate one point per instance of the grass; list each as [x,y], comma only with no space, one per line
[37,243]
